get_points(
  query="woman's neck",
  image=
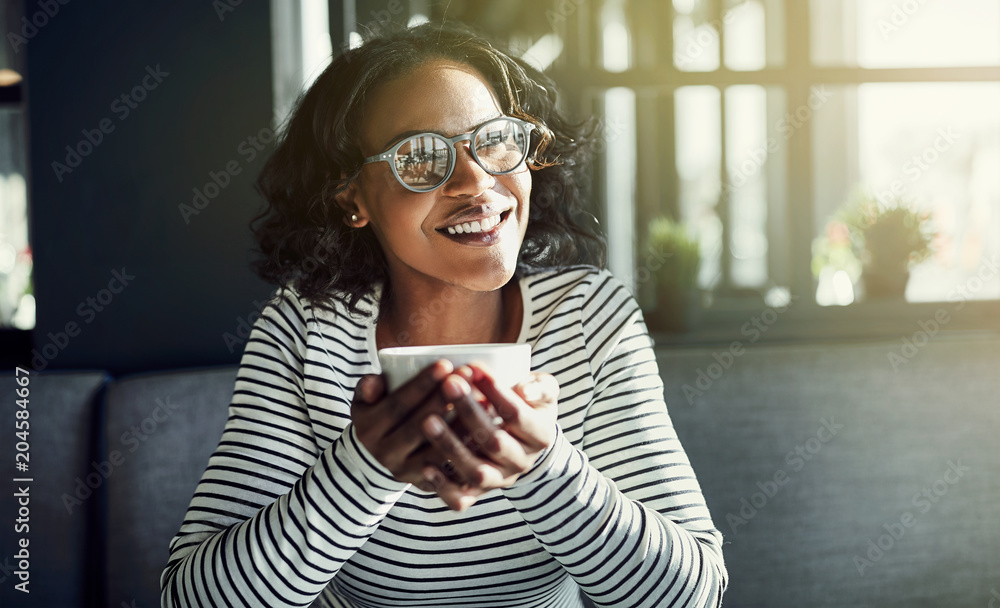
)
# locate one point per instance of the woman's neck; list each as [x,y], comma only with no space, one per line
[450,315]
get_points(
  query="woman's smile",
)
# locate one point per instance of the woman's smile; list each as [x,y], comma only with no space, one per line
[482,228]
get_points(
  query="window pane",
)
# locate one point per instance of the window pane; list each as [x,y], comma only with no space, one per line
[905,33]
[17,304]
[753,30]
[749,149]
[936,145]
[619,179]
[615,44]
[696,36]
[699,167]
[754,35]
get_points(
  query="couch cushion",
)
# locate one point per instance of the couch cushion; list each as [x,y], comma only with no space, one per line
[899,429]
[160,431]
[64,542]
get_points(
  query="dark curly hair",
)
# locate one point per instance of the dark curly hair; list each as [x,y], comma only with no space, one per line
[301,238]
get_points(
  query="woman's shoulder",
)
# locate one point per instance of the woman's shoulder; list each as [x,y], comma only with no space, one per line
[579,281]
[597,298]
[546,278]
[288,304]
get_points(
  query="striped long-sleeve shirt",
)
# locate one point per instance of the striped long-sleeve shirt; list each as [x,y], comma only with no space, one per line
[292,510]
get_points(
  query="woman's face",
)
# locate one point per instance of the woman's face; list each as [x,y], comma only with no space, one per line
[413,228]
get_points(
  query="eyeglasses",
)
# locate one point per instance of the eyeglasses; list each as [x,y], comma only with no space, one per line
[424,162]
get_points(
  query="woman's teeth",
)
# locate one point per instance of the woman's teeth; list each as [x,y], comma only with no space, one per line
[484,225]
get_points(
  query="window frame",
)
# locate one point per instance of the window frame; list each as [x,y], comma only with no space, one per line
[580,76]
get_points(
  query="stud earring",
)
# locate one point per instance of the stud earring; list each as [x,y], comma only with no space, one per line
[354,218]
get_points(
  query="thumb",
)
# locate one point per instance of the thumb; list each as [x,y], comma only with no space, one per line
[538,389]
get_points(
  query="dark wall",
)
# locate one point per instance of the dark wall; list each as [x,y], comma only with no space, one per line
[200,84]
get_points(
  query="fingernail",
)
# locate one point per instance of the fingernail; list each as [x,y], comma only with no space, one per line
[433,426]
[456,388]
[373,387]
[442,369]
[531,392]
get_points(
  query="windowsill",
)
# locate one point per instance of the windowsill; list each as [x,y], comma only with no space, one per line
[858,322]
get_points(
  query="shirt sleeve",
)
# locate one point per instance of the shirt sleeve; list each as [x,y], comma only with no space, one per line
[624,515]
[274,518]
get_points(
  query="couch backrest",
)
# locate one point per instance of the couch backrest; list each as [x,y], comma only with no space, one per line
[160,431]
[810,456]
[64,502]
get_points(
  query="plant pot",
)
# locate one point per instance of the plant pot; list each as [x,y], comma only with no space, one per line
[885,283]
[676,310]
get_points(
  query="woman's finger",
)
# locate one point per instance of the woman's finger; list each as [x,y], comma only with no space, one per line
[458,497]
[469,469]
[539,390]
[408,435]
[369,390]
[393,408]
[481,431]
[374,421]
[524,421]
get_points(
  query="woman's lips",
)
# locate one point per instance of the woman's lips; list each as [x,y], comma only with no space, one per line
[481,233]
[484,225]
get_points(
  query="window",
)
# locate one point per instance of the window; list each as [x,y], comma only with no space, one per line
[17,304]
[757,123]
[301,48]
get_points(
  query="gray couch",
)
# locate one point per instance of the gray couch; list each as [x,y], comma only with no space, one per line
[810,458]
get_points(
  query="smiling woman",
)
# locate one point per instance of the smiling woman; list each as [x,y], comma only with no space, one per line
[417,175]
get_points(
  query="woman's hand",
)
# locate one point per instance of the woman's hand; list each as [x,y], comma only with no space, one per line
[389,425]
[484,451]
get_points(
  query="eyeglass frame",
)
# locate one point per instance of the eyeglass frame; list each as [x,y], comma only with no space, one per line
[390,154]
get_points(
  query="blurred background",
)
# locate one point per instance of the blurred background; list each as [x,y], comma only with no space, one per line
[817,181]
[837,155]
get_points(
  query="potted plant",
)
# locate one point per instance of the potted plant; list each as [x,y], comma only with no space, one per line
[678,299]
[889,237]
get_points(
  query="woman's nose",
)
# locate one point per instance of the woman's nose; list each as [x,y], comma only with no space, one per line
[468,176]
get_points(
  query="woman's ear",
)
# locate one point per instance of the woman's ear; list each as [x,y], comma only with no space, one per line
[351,201]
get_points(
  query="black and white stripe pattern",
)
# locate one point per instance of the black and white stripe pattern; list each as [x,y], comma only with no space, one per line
[292,509]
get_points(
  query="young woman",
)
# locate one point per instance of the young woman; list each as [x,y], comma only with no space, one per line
[424,192]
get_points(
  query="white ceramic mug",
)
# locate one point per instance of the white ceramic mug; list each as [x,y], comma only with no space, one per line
[509,363]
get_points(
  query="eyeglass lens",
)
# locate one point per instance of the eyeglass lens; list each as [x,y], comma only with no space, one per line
[422,161]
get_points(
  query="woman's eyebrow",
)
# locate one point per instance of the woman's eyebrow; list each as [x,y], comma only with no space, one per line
[401,136]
